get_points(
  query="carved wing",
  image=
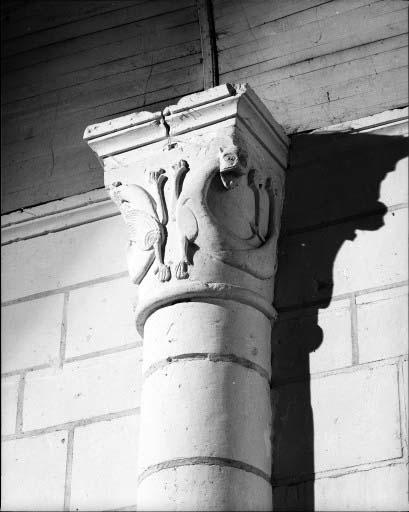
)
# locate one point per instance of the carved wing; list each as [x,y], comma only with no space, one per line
[143,229]
[146,231]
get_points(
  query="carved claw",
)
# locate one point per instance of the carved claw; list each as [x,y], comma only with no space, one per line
[181,165]
[255,231]
[181,270]
[156,176]
[163,272]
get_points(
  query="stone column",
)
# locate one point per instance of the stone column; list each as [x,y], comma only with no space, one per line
[200,188]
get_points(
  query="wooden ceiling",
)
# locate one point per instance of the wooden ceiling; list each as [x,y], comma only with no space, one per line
[67,64]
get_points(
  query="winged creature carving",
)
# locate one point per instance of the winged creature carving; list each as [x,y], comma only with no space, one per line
[224,206]
[146,218]
[203,204]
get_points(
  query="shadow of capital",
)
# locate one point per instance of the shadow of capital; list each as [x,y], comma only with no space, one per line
[332,190]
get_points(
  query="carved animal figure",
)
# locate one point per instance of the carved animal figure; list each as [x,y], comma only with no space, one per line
[233,163]
[195,221]
[185,219]
[146,220]
[188,201]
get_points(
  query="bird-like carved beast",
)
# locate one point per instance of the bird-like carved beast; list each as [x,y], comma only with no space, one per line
[146,219]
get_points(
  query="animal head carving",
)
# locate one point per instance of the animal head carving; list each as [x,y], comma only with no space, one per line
[233,165]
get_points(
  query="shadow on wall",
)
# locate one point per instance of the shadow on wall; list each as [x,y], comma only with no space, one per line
[332,190]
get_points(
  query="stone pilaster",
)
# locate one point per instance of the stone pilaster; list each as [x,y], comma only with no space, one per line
[200,188]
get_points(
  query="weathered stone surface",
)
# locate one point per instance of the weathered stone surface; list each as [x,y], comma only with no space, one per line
[104,472]
[374,258]
[334,175]
[358,490]
[82,389]
[383,324]
[204,487]
[355,415]
[209,409]
[31,333]
[294,341]
[200,189]
[62,259]
[33,472]
[404,391]
[219,328]
[9,396]
[394,188]
[343,258]
[350,400]
[86,306]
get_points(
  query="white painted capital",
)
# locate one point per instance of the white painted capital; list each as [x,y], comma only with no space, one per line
[200,187]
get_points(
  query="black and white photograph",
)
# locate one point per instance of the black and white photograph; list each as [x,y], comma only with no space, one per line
[204,255]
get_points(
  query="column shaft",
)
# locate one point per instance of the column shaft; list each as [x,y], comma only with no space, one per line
[206,408]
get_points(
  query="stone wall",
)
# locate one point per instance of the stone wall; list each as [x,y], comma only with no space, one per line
[340,344]
[71,359]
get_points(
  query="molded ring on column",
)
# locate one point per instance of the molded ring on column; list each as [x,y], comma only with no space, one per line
[166,295]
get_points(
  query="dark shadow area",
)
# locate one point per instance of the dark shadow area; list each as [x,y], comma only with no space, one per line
[332,190]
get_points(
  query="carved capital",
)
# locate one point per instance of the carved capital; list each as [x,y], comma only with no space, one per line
[200,188]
